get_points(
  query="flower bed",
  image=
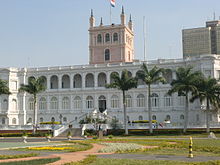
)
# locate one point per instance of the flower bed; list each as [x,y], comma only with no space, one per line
[51,148]
[121,147]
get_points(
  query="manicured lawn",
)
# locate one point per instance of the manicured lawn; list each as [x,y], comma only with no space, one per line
[201,147]
[101,161]
[18,156]
[93,160]
[32,162]
[67,147]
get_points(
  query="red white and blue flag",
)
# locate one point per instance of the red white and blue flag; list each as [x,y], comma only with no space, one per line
[112,3]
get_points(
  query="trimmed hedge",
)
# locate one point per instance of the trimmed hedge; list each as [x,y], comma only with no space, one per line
[38,134]
[50,122]
[160,131]
[142,121]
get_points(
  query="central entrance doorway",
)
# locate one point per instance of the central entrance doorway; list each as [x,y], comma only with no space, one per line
[102,103]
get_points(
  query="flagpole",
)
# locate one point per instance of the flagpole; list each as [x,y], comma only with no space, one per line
[110,14]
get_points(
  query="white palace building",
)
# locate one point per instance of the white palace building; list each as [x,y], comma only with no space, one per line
[73,91]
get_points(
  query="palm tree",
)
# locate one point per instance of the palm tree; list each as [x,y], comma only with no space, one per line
[123,83]
[4,87]
[150,77]
[184,85]
[34,87]
[208,91]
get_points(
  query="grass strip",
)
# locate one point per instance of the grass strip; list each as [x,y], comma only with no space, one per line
[101,161]
[32,162]
[18,156]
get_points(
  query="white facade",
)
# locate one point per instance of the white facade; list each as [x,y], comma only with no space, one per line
[73,91]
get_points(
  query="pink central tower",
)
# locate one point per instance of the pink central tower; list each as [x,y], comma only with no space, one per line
[111,43]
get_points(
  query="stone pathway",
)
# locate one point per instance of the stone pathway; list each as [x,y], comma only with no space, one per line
[159,157]
[64,157]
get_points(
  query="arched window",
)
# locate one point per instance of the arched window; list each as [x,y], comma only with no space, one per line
[66,103]
[167,100]
[77,82]
[53,119]
[77,102]
[54,82]
[168,118]
[53,103]
[29,120]
[115,37]
[155,100]
[89,80]
[107,37]
[114,101]
[154,117]
[3,121]
[5,104]
[14,121]
[14,104]
[42,103]
[64,119]
[107,54]
[41,120]
[102,80]
[128,101]
[65,81]
[89,102]
[140,118]
[31,103]
[181,117]
[99,38]
[140,100]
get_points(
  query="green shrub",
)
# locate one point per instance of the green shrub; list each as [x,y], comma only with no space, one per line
[95,137]
[18,156]
[110,136]
[50,122]
[90,132]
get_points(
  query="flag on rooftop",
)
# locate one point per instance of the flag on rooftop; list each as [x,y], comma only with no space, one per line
[112,3]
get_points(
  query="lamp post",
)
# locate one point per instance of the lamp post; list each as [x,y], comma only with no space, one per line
[61,116]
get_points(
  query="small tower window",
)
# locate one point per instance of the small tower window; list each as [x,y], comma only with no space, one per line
[115,37]
[107,55]
[107,37]
[99,38]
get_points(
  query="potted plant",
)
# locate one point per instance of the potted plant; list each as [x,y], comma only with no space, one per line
[48,137]
[69,136]
[24,136]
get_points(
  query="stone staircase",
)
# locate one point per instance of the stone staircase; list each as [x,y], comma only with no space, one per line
[75,132]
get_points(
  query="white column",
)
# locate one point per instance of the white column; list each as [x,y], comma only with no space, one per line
[71,81]
[96,80]
[48,82]
[59,81]
[83,80]
[108,77]
[24,107]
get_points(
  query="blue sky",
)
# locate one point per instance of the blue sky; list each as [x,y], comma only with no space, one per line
[37,33]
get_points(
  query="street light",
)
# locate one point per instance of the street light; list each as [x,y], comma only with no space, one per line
[61,116]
